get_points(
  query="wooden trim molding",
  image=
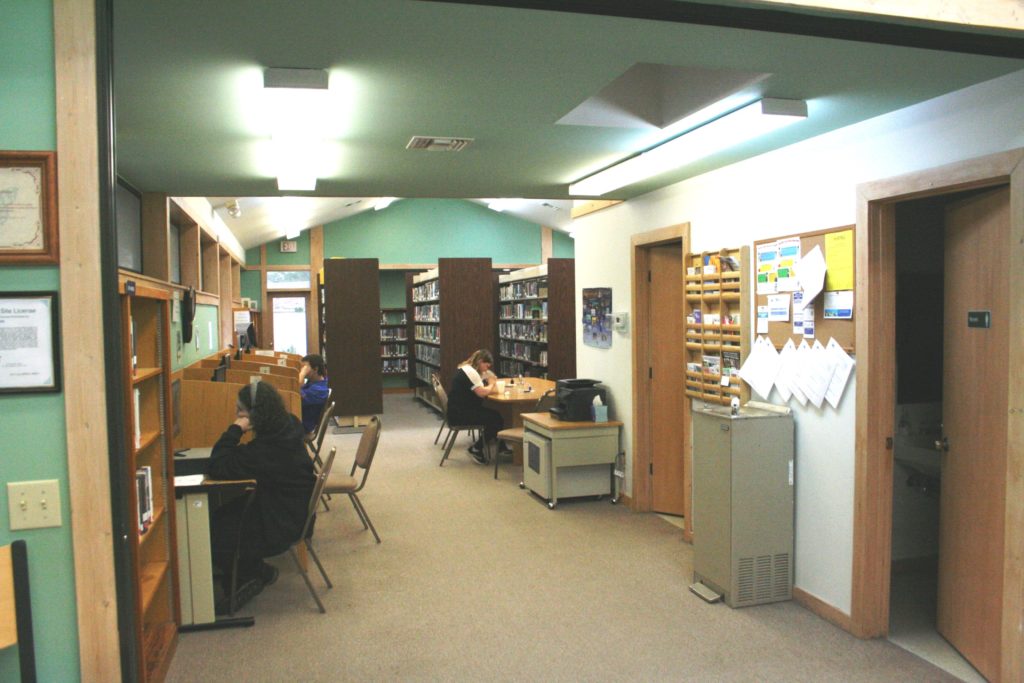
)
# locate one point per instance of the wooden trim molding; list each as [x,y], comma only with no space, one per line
[74,26]
[546,240]
[829,613]
[875,281]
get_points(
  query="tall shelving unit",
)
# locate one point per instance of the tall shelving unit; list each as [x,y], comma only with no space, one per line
[452,314]
[394,342]
[147,363]
[536,321]
[717,291]
[350,335]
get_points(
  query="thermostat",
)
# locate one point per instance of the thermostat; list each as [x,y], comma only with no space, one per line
[620,321]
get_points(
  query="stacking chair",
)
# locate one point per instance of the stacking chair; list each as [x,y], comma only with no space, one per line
[352,484]
[442,397]
[306,538]
[515,434]
[316,441]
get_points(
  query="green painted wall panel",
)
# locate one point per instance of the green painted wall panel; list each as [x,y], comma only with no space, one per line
[252,256]
[33,427]
[251,285]
[562,246]
[392,289]
[299,258]
[424,230]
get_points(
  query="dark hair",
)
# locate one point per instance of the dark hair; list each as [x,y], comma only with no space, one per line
[316,362]
[265,406]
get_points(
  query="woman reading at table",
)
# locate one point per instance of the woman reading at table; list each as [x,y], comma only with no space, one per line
[277,459]
[473,382]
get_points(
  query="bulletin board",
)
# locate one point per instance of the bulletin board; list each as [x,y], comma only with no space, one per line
[842,329]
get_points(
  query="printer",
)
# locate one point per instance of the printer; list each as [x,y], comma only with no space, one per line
[573,398]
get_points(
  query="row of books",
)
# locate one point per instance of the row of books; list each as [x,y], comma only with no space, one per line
[428,333]
[388,318]
[423,372]
[427,313]
[526,289]
[428,291]
[537,310]
[526,352]
[523,331]
[392,350]
[727,364]
[724,318]
[144,496]
[428,354]
[394,366]
[393,334]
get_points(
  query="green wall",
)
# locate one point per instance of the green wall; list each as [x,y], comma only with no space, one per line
[32,427]
[562,246]
[424,230]
[251,285]
[299,258]
[392,289]
[183,355]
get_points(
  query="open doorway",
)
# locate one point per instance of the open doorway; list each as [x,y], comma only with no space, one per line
[289,322]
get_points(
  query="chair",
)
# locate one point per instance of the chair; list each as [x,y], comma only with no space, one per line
[16,607]
[315,441]
[442,398]
[515,434]
[351,484]
[306,537]
[453,430]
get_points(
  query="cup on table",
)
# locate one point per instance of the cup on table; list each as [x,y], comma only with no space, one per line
[501,386]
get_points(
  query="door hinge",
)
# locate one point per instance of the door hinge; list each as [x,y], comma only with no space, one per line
[650,373]
[888,443]
[650,469]
[648,276]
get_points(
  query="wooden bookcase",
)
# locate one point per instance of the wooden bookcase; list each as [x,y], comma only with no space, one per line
[536,321]
[394,342]
[350,335]
[147,365]
[717,294]
[452,314]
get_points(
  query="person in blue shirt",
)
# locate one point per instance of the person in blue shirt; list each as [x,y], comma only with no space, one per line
[313,388]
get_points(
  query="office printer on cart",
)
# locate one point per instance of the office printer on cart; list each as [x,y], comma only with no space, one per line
[573,398]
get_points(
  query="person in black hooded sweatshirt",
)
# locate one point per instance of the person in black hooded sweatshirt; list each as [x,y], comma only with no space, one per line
[277,459]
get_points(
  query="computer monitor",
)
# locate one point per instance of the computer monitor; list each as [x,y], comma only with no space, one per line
[220,374]
[225,360]
[250,336]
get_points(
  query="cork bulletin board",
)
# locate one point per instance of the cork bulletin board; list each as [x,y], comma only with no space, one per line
[841,241]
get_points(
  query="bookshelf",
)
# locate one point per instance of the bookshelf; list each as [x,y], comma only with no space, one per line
[536,321]
[147,363]
[394,347]
[350,334]
[451,314]
[717,293]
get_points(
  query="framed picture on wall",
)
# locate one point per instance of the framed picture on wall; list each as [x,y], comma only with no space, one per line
[28,207]
[30,342]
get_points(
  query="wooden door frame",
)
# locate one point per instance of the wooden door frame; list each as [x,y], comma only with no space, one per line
[642,493]
[876,364]
[311,318]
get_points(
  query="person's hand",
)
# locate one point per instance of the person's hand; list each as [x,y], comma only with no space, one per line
[243,422]
[303,372]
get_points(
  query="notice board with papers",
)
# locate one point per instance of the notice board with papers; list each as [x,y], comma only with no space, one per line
[819,264]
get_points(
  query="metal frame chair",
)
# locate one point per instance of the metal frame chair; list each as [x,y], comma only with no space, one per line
[352,485]
[306,536]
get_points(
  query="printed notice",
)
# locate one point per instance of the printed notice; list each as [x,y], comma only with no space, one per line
[839,260]
[839,305]
[26,343]
[767,260]
[762,320]
[785,270]
[778,308]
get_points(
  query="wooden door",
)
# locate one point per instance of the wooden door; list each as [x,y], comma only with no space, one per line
[974,417]
[668,477]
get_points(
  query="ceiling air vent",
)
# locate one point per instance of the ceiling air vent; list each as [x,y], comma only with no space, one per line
[438,144]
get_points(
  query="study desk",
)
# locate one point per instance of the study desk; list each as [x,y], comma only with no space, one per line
[195,561]
[569,458]
[518,401]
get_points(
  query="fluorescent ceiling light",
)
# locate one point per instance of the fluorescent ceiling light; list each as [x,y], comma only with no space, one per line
[727,131]
[384,202]
[296,100]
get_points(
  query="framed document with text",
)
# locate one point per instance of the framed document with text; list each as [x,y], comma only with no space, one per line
[29,342]
[28,207]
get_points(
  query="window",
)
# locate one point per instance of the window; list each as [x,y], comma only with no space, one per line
[287,279]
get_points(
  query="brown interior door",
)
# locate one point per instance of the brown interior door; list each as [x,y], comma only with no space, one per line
[669,478]
[974,414]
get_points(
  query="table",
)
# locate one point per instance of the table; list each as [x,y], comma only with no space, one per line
[569,458]
[517,402]
[195,563]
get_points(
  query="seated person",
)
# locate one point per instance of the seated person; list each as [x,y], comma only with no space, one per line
[313,388]
[277,459]
[472,382]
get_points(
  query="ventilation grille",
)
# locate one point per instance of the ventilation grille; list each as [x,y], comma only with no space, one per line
[438,144]
[765,578]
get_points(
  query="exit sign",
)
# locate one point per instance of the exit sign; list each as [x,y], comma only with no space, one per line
[289,246]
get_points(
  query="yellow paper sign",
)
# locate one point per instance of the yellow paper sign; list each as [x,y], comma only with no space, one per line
[839,261]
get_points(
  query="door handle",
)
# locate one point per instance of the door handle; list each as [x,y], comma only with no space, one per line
[942,444]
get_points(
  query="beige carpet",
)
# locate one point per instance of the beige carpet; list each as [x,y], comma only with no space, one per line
[476,580]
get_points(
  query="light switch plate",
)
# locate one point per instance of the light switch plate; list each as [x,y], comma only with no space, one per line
[33,504]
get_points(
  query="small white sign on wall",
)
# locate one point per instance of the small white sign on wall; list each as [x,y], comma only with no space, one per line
[289,246]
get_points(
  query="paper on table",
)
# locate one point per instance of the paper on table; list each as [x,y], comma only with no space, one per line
[816,374]
[778,308]
[811,274]
[784,378]
[843,365]
[188,480]
[762,320]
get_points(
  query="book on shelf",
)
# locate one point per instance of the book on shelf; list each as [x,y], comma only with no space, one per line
[135,356]
[144,496]
[136,401]
[712,365]
[730,363]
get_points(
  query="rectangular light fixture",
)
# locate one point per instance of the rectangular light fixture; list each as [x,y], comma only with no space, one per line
[297,105]
[724,132]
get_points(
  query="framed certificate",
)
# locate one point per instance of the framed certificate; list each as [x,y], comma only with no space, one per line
[28,207]
[29,342]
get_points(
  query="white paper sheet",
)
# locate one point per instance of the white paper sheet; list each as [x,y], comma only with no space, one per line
[761,367]
[762,320]
[188,480]
[778,308]
[767,258]
[839,305]
[843,365]
[799,362]
[784,379]
[788,262]
[811,274]
[816,374]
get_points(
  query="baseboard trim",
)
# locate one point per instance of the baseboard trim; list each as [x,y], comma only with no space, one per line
[829,613]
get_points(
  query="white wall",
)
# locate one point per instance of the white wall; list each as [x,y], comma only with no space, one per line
[808,186]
